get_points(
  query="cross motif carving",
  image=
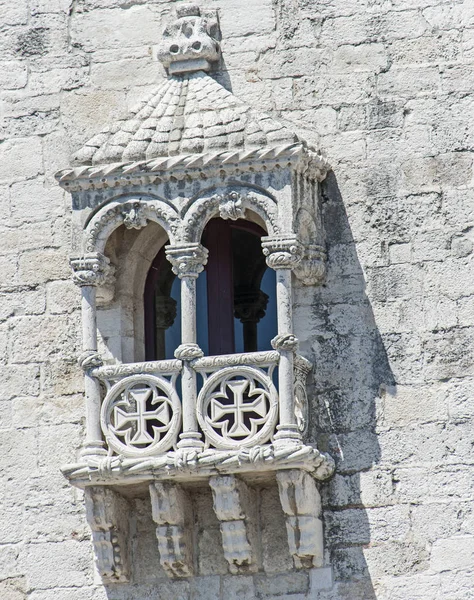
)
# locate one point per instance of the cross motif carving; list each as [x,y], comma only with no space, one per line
[140,418]
[239,407]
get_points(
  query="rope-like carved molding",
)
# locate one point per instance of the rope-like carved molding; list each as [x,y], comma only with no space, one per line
[193,166]
[260,359]
[134,215]
[194,464]
[158,367]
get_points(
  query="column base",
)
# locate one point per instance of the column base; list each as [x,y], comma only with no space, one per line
[190,440]
[95,448]
[287,434]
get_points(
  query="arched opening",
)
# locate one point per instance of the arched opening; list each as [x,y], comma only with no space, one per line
[236,305]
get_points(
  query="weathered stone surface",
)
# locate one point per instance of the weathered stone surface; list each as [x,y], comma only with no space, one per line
[386,89]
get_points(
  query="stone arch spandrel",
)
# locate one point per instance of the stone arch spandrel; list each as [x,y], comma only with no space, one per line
[133,211]
[228,202]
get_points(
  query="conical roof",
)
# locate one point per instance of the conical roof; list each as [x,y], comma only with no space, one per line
[188,114]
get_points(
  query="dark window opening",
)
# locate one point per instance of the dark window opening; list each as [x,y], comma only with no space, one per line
[236,306]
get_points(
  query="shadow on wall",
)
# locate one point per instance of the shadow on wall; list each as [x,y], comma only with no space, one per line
[351,375]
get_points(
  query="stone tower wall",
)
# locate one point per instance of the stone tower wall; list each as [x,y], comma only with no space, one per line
[385,89]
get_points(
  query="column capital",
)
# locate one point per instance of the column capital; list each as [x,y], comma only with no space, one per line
[250,306]
[188,260]
[282,251]
[90,269]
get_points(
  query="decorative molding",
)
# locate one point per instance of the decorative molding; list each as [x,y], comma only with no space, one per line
[133,214]
[90,269]
[89,359]
[190,42]
[229,204]
[188,260]
[302,368]
[257,359]
[107,515]
[188,352]
[233,505]
[301,504]
[282,252]
[285,341]
[189,166]
[198,464]
[119,371]
[172,512]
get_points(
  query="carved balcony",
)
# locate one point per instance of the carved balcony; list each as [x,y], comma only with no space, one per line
[237,411]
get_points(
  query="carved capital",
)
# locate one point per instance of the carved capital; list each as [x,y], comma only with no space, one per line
[190,42]
[165,311]
[311,269]
[285,341]
[107,515]
[233,504]
[188,260]
[249,307]
[172,512]
[301,504]
[188,352]
[90,269]
[282,252]
[134,215]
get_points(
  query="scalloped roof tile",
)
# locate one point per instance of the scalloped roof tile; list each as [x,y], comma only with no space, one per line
[187,114]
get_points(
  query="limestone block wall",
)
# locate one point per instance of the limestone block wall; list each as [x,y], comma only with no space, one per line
[384,87]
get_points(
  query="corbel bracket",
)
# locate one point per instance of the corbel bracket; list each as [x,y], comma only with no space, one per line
[107,515]
[172,511]
[234,507]
[301,503]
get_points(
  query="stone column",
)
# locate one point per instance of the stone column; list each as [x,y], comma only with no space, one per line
[89,271]
[283,254]
[188,261]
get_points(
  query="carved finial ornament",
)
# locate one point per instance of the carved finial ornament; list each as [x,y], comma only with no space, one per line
[190,43]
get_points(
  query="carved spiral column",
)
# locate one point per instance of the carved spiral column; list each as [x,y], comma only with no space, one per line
[283,254]
[188,261]
[90,271]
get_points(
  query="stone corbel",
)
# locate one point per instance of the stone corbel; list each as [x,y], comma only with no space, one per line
[311,270]
[234,507]
[172,512]
[107,515]
[301,503]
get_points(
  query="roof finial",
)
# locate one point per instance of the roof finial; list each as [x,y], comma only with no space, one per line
[190,43]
